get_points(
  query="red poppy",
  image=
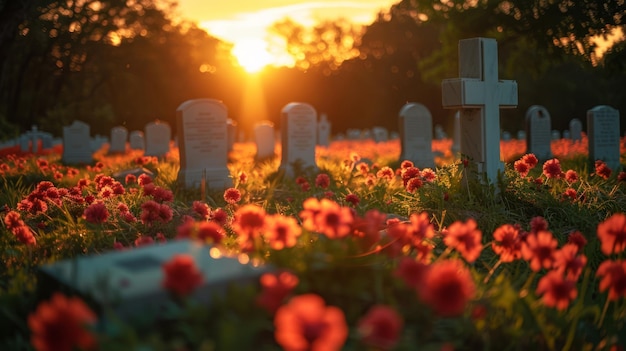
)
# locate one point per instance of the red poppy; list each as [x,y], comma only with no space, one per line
[612,234]
[281,231]
[539,249]
[96,213]
[306,323]
[232,196]
[507,243]
[61,324]
[466,238]
[552,168]
[448,286]
[613,275]
[181,276]
[275,288]
[557,290]
[567,260]
[381,327]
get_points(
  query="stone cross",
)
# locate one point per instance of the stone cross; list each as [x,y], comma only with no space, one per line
[480,94]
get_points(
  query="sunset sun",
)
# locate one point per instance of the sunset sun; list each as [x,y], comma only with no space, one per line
[252,55]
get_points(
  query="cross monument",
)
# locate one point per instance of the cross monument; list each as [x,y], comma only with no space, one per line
[479,95]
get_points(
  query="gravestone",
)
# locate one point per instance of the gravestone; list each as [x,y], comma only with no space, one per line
[416,135]
[366,134]
[456,143]
[323,131]
[566,134]
[521,135]
[203,138]
[480,94]
[136,140]
[604,138]
[538,132]
[25,142]
[47,141]
[353,134]
[119,135]
[506,136]
[231,127]
[97,142]
[77,144]
[440,134]
[576,129]
[265,141]
[556,135]
[380,134]
[299,136]
[157,138]
[130,282]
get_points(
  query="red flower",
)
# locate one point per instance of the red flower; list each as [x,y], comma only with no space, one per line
[413,184]
[570,194]
[448,286]
[311,207]
[209,232]
[275,288]
[538,224]
[569,262]
[201,209]
[410,173]
[232,196]
[613,275]
[144,179]
[352,199]
[363,168]
[12,220]
[521,167]
[61,325]
[380,327]
[531,160]
[306,323]
[181,275]
[612,234]
[322,181]
[602,169]
[621,177]
[465,237]
[539,249]
[25,235]
[249,221]
[552,168]
[576,238]
[507,243]
[161,194]
[144,240]
[385,173]
[412,272]
[130,179]
[153,211]
[428,175]
[333,220]
[557,291]
[571,176]
[219,216]
[281,231]
[406,164]
[96,213]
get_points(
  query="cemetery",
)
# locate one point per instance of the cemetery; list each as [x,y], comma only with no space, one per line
[451,176]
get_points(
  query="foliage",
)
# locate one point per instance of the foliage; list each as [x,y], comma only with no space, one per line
[353,270]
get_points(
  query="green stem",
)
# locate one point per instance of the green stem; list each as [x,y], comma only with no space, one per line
[579,304]
[492,271]
[606,307]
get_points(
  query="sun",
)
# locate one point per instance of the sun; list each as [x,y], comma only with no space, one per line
[252,54]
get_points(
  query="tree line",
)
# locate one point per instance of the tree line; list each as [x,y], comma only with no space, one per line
[128,62]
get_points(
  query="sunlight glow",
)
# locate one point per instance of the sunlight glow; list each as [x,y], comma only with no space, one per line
[252,54]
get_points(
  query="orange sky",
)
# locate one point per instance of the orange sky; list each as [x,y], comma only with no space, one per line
[244,22]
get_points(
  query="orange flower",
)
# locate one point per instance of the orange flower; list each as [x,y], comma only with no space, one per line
[412,272]
[281,231]
[232,196]
[464,237]
[612,234]
[448,286]
[333,220]
[507,243]
[531,160]
[311,208]
[552,168]
[568,261]
[60,325]
[522,168]
[248,223]
[613,275]
[306,323]
[414,232]
[539,249]
[557,291]
[276,287]
[181,275]
[381,327]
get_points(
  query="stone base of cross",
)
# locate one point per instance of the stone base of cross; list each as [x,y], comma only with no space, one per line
[479,95]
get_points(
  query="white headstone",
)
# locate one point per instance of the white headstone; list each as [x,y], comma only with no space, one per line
[136,140]
[538,132]
[604,138]
[203,138]
[323,131]
[576,129]
[299,136]
[77,144]
[480,94]
[130,282]
[380,134]
[157,137]
[265,141]
[416,135]
[119,135]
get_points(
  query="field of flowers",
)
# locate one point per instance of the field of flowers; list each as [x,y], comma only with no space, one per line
[371,253]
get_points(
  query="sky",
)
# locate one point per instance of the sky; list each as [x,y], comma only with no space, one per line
[244,22]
